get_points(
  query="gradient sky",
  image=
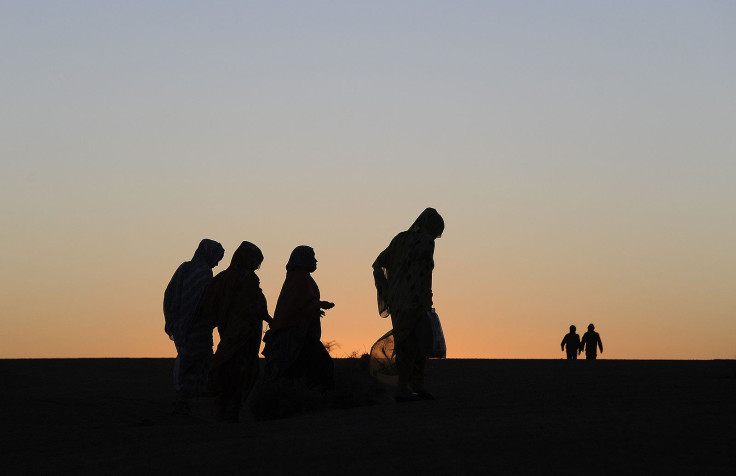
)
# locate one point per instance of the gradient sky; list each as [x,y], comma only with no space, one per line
[581,153]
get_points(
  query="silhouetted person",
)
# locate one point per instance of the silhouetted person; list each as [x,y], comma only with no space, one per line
[572,342]
[293,348]
[191,335]
[403,278]
[591,342]
[235,304]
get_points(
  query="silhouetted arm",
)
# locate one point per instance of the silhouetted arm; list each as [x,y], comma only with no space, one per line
[170,304]
[381,281]
[600,344]
[562,344]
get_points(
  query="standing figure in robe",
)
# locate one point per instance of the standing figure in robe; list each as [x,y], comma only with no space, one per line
[403,278]
[192,336]
[293,347]
[235,304]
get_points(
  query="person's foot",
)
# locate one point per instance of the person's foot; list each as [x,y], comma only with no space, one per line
[410,397]
[405,394]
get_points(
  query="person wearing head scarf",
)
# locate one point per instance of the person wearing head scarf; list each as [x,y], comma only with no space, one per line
[590,341]
[403,277]
[293,348]
[235,304]
[192,336]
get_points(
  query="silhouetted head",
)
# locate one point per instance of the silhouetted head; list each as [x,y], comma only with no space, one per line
[209,251]
[429,221]
[247,256]
[302,258]
[591,327]
[572,328]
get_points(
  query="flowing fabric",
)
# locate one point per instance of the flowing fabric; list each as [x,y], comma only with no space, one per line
[192,336]
[235,304]
[403,277]
[293,347]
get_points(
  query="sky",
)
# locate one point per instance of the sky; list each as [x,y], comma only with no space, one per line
[580,152]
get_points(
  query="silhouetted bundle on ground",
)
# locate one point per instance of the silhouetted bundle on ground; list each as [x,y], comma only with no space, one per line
[382,359]
[354,387]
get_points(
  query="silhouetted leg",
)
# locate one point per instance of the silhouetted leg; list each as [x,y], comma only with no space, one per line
[405,362]
[181,402]
[411,362]
[190,378]
[425,339]
[417,380]
[250,378]
[230,378]
[408,350]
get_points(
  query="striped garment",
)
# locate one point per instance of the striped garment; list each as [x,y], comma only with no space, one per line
[191,335]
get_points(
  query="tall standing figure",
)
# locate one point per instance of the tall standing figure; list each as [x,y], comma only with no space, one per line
[403,278]
[572,342]
[191,334]
[293,347]
[235,304]
[591,341]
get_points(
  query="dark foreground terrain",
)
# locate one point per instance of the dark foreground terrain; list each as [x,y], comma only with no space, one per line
[101,416]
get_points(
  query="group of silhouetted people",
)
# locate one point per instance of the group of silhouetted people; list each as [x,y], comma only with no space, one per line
[590,343]
[195,303]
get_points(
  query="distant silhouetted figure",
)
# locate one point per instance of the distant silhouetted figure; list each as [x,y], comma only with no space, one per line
[591,342]
[403,279]
[293,348]
[191,335]
[235,304]
[572,342]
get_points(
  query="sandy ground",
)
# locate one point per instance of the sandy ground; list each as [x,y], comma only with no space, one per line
[102,416]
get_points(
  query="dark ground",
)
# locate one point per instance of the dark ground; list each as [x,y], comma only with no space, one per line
[101,416]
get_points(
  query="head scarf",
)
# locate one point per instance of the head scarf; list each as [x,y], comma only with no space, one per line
[234,288]
[429,221]
[247,256]
[209,251]
[302,258]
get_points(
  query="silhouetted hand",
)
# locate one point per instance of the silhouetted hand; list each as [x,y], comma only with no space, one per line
[326,305]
